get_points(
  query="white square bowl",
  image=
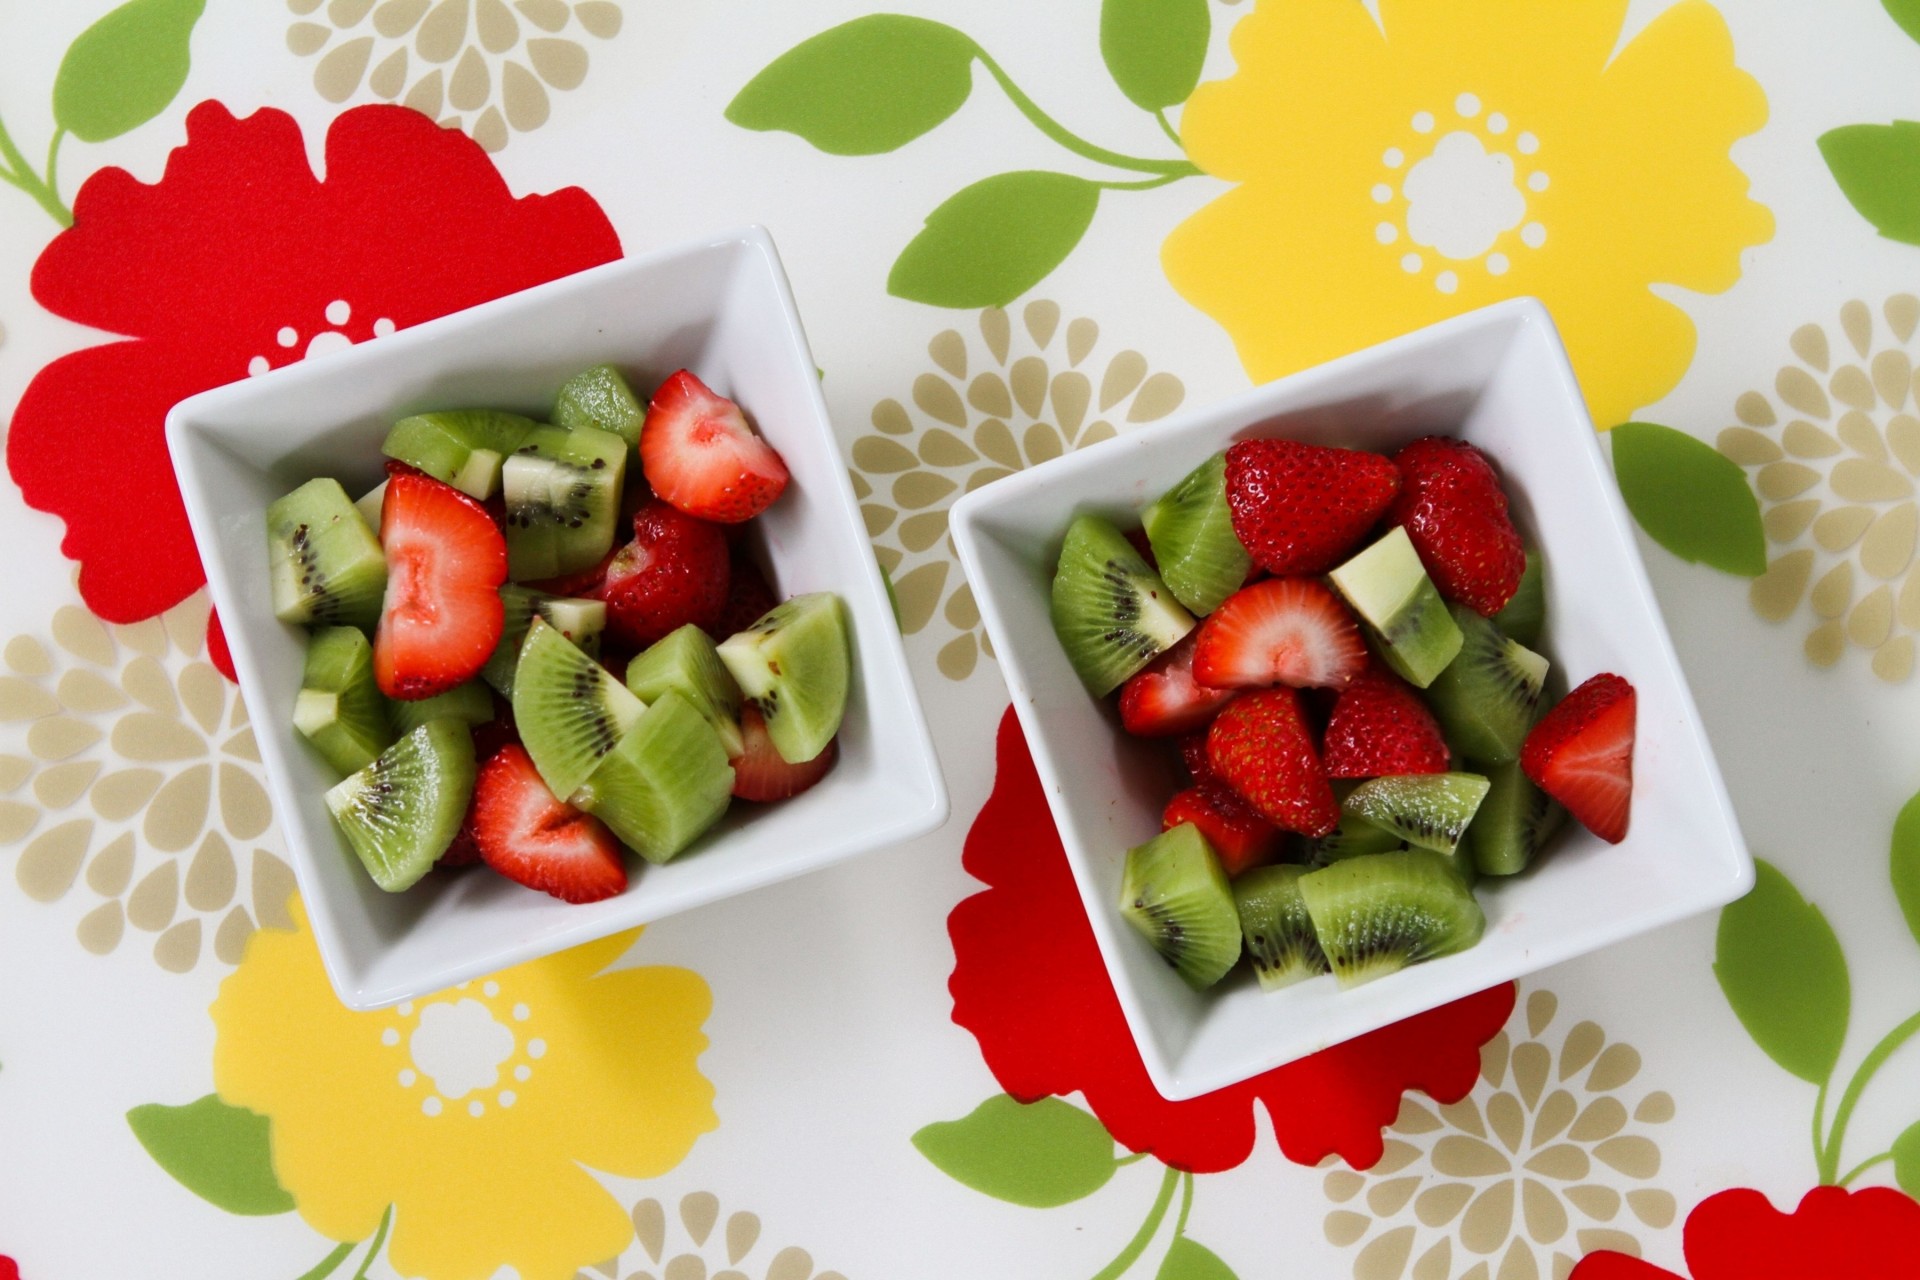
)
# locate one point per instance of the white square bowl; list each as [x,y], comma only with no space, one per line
[1499,378]
[720,307]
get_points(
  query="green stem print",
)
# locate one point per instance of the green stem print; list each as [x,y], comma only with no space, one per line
[1144,1236]
[17,173]
[876,83]
[1875,1059]
[329,1264]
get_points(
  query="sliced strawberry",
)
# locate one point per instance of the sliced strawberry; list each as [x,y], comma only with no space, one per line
[1163,699]
[1291,631]
[1262,747]
[759,772]
[674,572]
[1303,508]
[1380,727]
[442,616]
[1455,513]
[700,455]
[1581,754]
[1241,837]
[584,585]
[748,598]
[533,839]
[489,740]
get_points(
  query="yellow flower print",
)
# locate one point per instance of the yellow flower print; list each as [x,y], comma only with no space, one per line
[472,1112]
[1462,151]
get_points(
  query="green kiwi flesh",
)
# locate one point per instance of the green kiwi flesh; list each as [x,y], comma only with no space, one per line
[1379,913]
[462,447]
[667,781]
[1513,823]
[325,563]
[517,610]
[340,709]
[600,398]
[401,812]
[1275,927]
[372,506]
[685,662]
[794,665]
[471,704]
[563,499]
[569,710]
[581,621]
[1406,619]
[1489,696]
[1526,613]
[1191,531]
[1353,837]
[1175,894]
[1430,810]
[1111,611]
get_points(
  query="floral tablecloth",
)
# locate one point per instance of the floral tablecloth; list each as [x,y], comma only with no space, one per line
[1013,230]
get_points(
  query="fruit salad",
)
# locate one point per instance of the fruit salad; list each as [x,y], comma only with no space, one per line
[538,646]
[1342,647]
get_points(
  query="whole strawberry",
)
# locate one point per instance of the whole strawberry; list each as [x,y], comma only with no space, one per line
[1303,508]
[675,571]
[1262,747]
[1379,727]
[1455,513]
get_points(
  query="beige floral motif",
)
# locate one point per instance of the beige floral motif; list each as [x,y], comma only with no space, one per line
[1547,1160]
[128,771]
[694,1243]
[1834,452]
[482,66]
[997,400]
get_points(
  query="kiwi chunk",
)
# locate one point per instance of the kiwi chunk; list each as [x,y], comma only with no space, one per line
[402,811]
[667,781]
[794,665]
[470,703]
[1191,531]
[1377,914]
[581,621]
[1513,823]
[326,564]
[600,398]
[1526,613]
[462,447]
[1489,695]
[1353,837]
[372,506]
[569,709]
[685,662]
[1407,620]
[1176,895]
[1431,810]
[517,615]
[1276,928]
[340,709]
[1111,611]
[563,497]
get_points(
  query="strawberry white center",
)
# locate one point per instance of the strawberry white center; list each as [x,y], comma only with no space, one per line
[457,1049]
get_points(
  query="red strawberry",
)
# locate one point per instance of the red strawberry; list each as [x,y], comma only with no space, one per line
[1302,508]
[1137,538]
[1581,754]
[672,573]
[584,585]
[1163,699]
[489,740]
[760,772]
[1291,631]
[1241,837]
[533,839]
[1262,748]
[442,615]
[1455,512]
[1379,727]
[748,597]
[700,455]
[1193,753]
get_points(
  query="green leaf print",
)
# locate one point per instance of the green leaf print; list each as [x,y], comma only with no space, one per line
[1878,169]
[1904,865]
[992,241]
[1906,13]
[1040,1154]
[864,87]
[1191,1260]
[124,69]
[1154,48]
[220,1153]
[1690,498]
[1906,1160]
[1783,972]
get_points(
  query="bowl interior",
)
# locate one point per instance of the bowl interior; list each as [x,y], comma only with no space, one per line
[1498,378]
[720,308]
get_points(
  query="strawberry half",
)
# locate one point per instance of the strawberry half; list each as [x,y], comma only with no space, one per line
[1262,748]
[442,615]
[1379,727]
[1303,508]
[759,772]
[1291,631]
[674,572]
[1581,754]
[534,839]
[1163,699]
[1455,513]
[700,455]
[1241,837]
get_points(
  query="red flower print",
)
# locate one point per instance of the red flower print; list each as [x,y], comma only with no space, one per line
[239,260]
[1028,983]
[1834,1235]
[9,1269]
